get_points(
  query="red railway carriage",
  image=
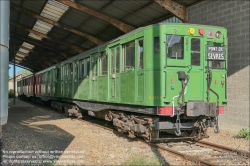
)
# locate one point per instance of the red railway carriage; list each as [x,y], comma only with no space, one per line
[38,84]
[26,87]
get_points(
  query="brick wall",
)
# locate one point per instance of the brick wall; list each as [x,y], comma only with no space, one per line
[233,15]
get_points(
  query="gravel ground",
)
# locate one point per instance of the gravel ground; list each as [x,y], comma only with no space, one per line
[38,134]
[228,138]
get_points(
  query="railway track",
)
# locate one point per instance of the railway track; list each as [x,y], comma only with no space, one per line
[199,153]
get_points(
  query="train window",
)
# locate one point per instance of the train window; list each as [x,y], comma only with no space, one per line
[104,62]
[112,59]
[117,59]
[195,44]
[81,68]
[76,70]
[94,66]
[48,76]
[216,64]
[140,54]
[57,74]
[129,56]
[65,71]
[195,51]
[70,71]
[175,47]
[88,67]
[156,45]
[195,59]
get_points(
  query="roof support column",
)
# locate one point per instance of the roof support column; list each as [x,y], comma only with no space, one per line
[4,61]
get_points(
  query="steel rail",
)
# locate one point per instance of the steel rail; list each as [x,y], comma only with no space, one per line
[222,148]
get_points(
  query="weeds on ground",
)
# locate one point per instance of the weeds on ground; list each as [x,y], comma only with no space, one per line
[244,133]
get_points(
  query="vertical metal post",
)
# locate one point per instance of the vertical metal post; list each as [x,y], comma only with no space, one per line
[14,76]
[4,65]
[4,59]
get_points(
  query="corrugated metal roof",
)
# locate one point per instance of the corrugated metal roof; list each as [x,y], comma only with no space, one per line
[134,13]
[53,10]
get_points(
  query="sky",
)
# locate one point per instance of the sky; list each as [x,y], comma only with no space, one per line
[12,68]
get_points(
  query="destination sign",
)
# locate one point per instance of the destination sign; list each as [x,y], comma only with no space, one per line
[215,53]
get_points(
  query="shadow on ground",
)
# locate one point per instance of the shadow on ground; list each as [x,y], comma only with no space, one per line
[28,136]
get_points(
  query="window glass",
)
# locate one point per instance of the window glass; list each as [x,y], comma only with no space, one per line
[66,71]
[87,67]
[117,59]
[195,52]
[94,66]
[156,45]
[140,56]
[104,60]
[195,59]
[112,63]
[81,62]
[70,71]
[216,64]
[175,47]
[195,44]
[129,55]
[76,70]
[57,74]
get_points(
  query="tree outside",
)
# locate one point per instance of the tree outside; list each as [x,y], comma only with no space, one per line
[24,72]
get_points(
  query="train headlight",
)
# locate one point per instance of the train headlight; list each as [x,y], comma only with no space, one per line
[218,34]
[191,31]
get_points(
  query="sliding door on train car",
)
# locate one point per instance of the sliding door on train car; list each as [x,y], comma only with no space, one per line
[94,74]
[114,73]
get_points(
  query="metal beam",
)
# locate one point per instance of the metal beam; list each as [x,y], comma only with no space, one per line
[120,25]
[85,35]
[76,48]
[34,42]
[177,9]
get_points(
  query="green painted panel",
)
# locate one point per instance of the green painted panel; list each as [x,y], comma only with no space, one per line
[102,88]
[128,87]
[195,88]
[140,86]
[83,89]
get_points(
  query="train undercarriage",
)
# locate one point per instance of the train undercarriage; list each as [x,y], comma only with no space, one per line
[149,127]
[136,123]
